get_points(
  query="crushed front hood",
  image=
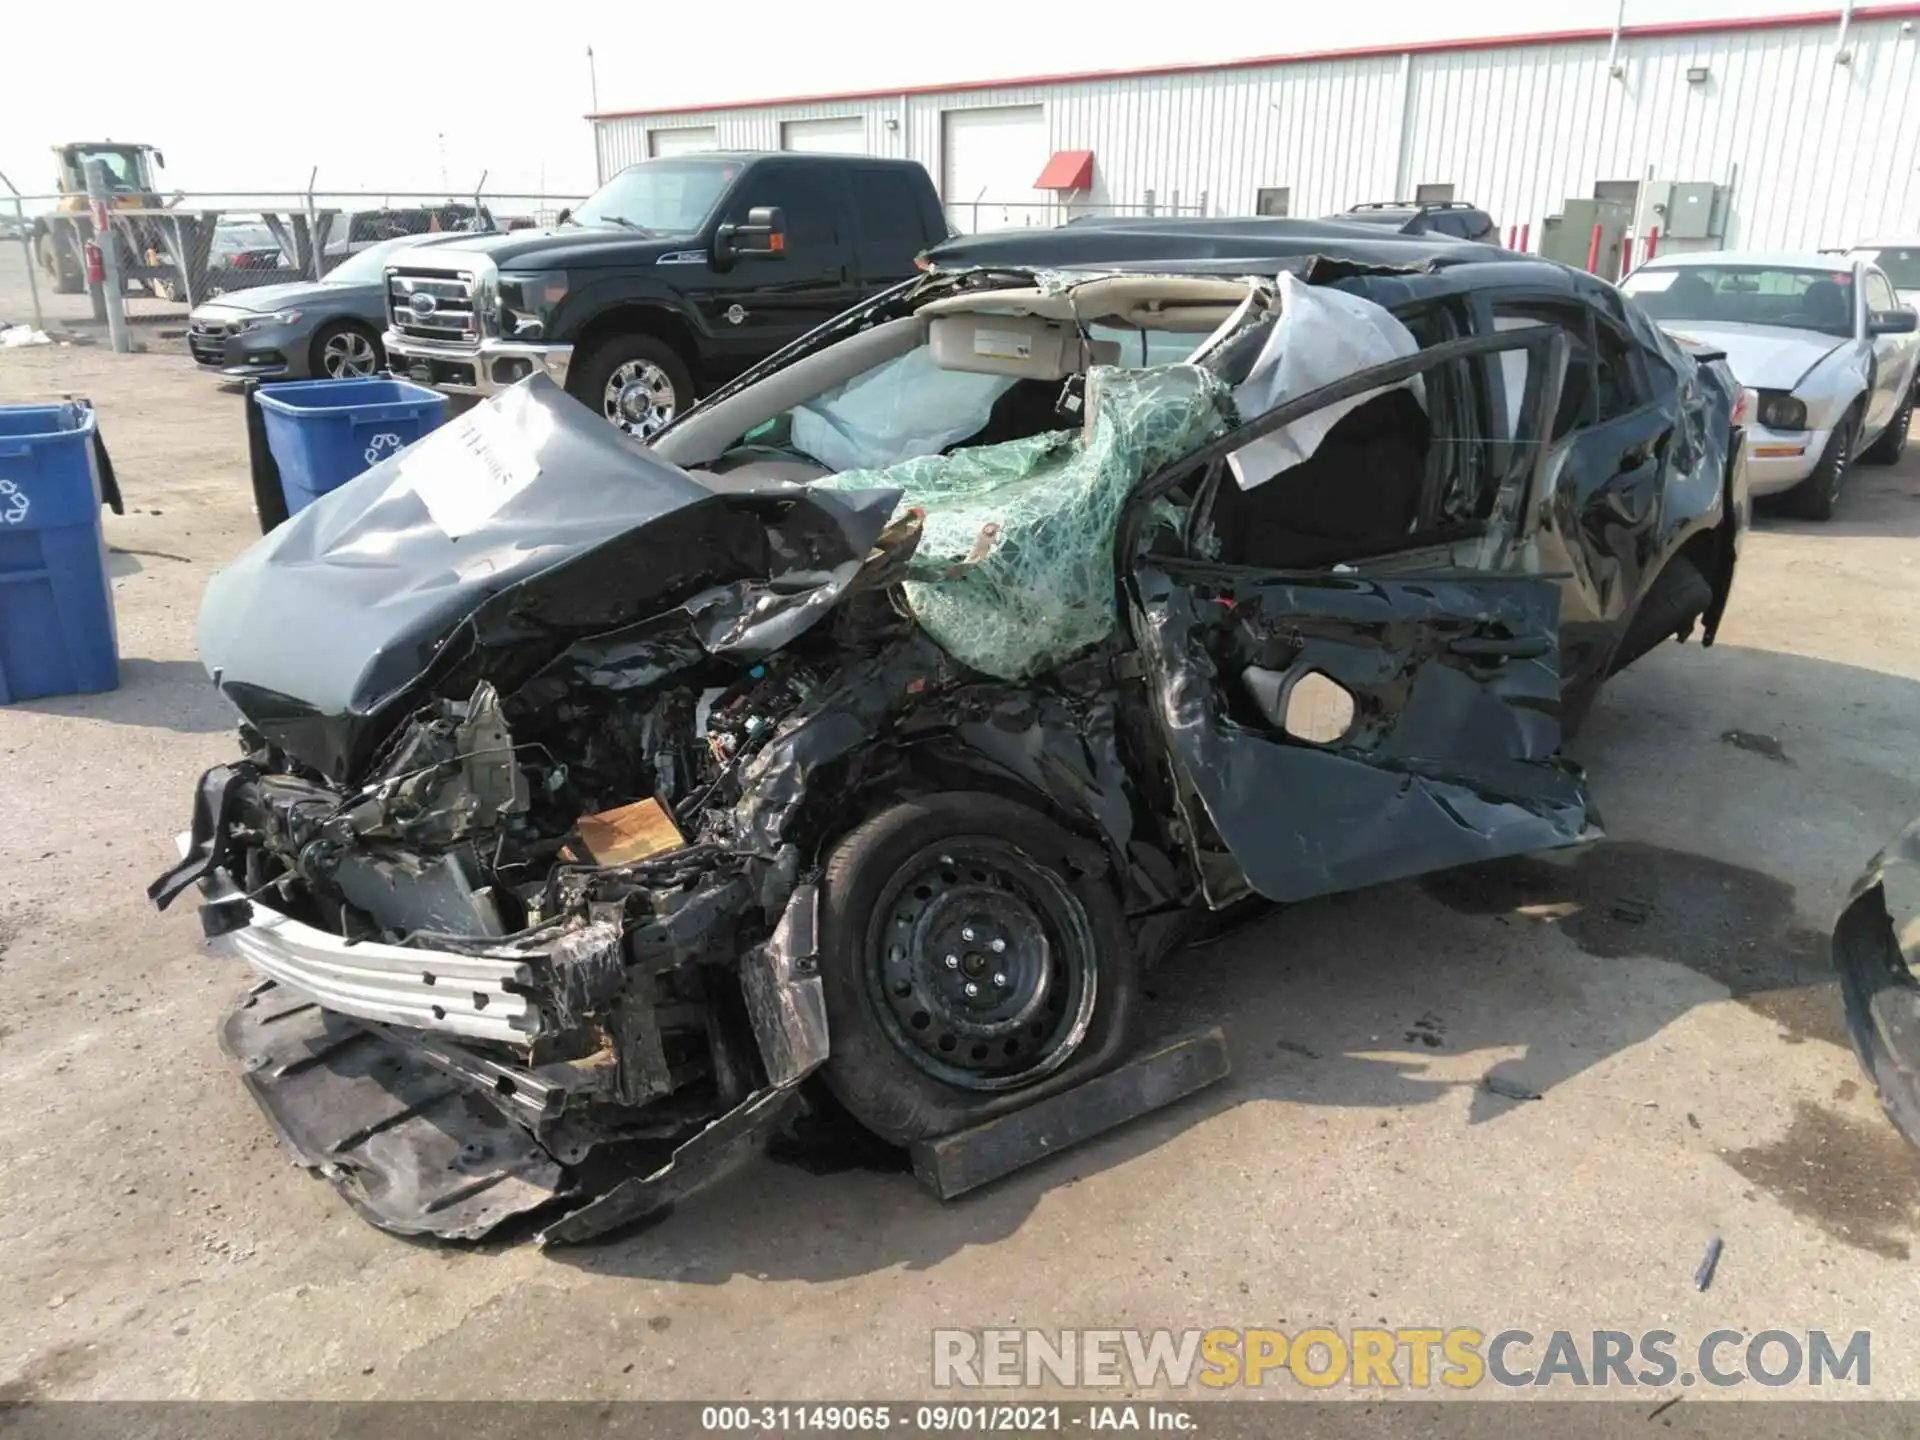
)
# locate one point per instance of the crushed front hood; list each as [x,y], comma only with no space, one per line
[525,523]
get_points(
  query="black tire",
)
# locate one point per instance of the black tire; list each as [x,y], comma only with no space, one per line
[340,349]
[1678,597]
[1882,1001]
[65,276]
[592,377]
[1816,497]
[1892,443]
[922,870]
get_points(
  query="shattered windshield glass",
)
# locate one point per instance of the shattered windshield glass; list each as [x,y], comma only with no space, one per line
[1015,567]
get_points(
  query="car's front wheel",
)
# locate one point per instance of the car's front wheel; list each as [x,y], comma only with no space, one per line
[971,965]
[639,382]
[345,351]
[1815,497]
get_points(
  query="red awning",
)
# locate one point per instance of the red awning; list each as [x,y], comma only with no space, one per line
[1067,170]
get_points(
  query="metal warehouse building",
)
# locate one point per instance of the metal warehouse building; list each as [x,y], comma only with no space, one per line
[1782,132]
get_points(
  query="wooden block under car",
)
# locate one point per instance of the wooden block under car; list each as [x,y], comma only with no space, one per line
[951,1165]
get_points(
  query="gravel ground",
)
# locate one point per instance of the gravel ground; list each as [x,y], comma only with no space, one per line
[1665,992]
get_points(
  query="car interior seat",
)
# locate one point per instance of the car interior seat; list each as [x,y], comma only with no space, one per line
[1358,493]
[1824,304]
[1689,297]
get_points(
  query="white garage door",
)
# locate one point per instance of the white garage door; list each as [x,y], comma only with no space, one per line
[683,141]
[989,160]
[842,135]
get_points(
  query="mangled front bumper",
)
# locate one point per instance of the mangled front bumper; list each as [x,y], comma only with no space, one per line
[410,1078]
[480,997]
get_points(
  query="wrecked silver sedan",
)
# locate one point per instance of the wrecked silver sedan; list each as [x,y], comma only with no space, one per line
[879,723]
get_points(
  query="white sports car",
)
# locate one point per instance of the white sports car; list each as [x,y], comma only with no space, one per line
[1826,346]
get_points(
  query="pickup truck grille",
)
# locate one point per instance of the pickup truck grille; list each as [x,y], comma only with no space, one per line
[432,305]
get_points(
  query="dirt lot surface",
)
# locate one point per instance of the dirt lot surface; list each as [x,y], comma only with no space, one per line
[1665,992]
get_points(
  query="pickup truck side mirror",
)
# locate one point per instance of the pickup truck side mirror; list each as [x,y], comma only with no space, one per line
[566,214]
[765,233]
[1892,322]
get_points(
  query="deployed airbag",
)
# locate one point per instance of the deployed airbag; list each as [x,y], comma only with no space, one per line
[1322,336]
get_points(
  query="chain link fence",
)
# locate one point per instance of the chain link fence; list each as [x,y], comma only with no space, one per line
[195,248]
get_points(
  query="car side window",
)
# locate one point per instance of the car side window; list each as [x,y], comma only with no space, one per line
[886,209]
[809,211]
[1880,294]
[1602,382]
[1615,389]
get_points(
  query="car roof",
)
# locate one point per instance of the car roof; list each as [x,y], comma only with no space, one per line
[1785,259]
[1255,243]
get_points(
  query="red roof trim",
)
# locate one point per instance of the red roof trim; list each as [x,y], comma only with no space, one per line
[1190,67]
[1067,170]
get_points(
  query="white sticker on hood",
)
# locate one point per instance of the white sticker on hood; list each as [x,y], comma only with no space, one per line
[466,471]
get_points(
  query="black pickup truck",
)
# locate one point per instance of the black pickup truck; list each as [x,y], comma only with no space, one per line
[674,276]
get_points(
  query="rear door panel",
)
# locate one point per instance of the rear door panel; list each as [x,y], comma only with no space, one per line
[1452,754]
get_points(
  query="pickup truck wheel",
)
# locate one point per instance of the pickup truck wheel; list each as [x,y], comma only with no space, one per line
[639,382]
[1892,443]
[969,966]
[1815,497]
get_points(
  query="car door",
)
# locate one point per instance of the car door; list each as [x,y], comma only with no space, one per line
[889,226]
[1356,723]
[758,302]
[1892,354]
[1612,458]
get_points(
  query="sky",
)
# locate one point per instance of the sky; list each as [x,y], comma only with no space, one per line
[250,97]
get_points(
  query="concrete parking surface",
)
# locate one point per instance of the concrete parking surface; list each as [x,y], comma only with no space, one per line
[1665,992]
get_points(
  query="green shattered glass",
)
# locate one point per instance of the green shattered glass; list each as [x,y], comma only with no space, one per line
[1014,573]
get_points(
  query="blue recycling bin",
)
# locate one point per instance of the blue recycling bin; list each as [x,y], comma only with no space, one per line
[322,433]
[56,604]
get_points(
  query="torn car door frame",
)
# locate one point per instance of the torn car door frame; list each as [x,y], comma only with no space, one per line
[1629,492]
[1453,671]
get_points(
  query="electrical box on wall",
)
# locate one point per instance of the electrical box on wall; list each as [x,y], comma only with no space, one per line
[1691,210]
[1569,236]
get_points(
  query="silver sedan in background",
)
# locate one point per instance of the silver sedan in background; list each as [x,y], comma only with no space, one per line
[1826,346]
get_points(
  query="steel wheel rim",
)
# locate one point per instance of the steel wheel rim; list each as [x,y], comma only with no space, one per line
[639,398]
[977,912]
[347,355]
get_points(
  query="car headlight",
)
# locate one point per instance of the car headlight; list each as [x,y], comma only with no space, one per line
[527,302]
[1780,411]
[261,322]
